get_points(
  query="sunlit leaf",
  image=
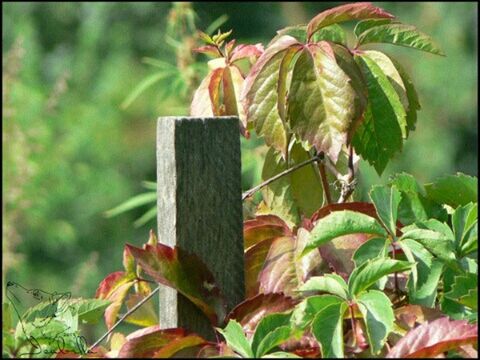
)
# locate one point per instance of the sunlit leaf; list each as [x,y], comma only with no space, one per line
[376,247]
[305,311]
[340,223]
[254,261]
[267,335]
[355,11]
[464,290]
[233,334]
[244,51]
[330,283]
[327,327]
[400,34]
[433,338]
[146,315]
[386,200]
[321,100]
[263,227]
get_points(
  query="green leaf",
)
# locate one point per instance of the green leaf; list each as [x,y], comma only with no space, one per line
[465,224]
[415,206]
[433,241]
[298,32]
[321,100]
[377,312]
[273,339]
[331,283]
[88,310]
[399,34]
[365,25]
[423,289]
[464,290]
[306,185]
[281,355]
[233,334]
[305,311]
[133,203]
[371,271]
[265,327]
[333,33]
[386,200]
[373,248]
[327,327]
[260,93]
[355,11]
[453,190]
[339,223]
[449,307]
[379,137]
[412,97]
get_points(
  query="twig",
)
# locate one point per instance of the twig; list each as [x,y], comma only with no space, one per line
[323,177]
[253,190]
[349,185]
[132,310]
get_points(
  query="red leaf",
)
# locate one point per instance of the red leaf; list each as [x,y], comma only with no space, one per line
[433,338]
[409,315]
[244,51]
[208,50]
[116,297]
[355,11]
[110,283]
[252,310]
[146,342]
[214,91]
[184,272]
[191,343]
[264,227]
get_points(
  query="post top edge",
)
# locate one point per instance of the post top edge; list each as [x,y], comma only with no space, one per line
[195,118]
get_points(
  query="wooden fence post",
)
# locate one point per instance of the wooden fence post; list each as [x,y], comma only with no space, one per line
[200,209]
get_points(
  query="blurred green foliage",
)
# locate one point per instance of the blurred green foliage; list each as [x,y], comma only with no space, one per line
[71,152]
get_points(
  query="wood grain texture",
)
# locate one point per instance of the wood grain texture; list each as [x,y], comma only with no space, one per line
[200,208]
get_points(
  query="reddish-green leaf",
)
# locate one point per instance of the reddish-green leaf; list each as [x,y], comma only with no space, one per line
[379,137]
[184,272]
[260,94]
[246,51]
[215,90]
[263,227]
[252,310]
[180,345]
[146,315]
[208,50]
[321,100]
[254,260]
[146,342]
[400,34]
[202,101]
[433,338]
[355,11]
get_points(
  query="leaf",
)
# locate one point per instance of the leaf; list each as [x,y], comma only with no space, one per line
[373,248]
[356,11]
[180,345]
[252,310]
[399,34]
[415,206]
[255,258]
[379,137]
[278,195]
[364,25]
[330,283]
[386,201]
[306,185]
[271,331]
[146,342]
[449,307]
[412,97]
[305,311]
[425,275]
[144,85]
[263,227]
[371,271]
[464,290]
[88,310]
[377,312]
[308,265]
[464,224]
[233,334]
[259,94]
[145,316]
[132,203]
[320,100]
[434,242]
[453,190]
[215,89]
[327,327]
[184,272]
[333,33]
[341,223]
[245,51]
[362,207]
[208,50]
[345,60]
[392,74]
[433,338]
[278,274]
[299,32]
[281,355]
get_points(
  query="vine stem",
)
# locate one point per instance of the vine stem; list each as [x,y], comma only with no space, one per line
[130,312]
[354,327]
[323,176]
[349,187]
[397,288]
[253,190]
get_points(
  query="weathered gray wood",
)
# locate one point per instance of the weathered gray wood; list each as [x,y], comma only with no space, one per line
[200,208]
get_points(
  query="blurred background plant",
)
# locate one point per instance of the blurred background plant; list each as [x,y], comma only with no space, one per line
[78,140]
